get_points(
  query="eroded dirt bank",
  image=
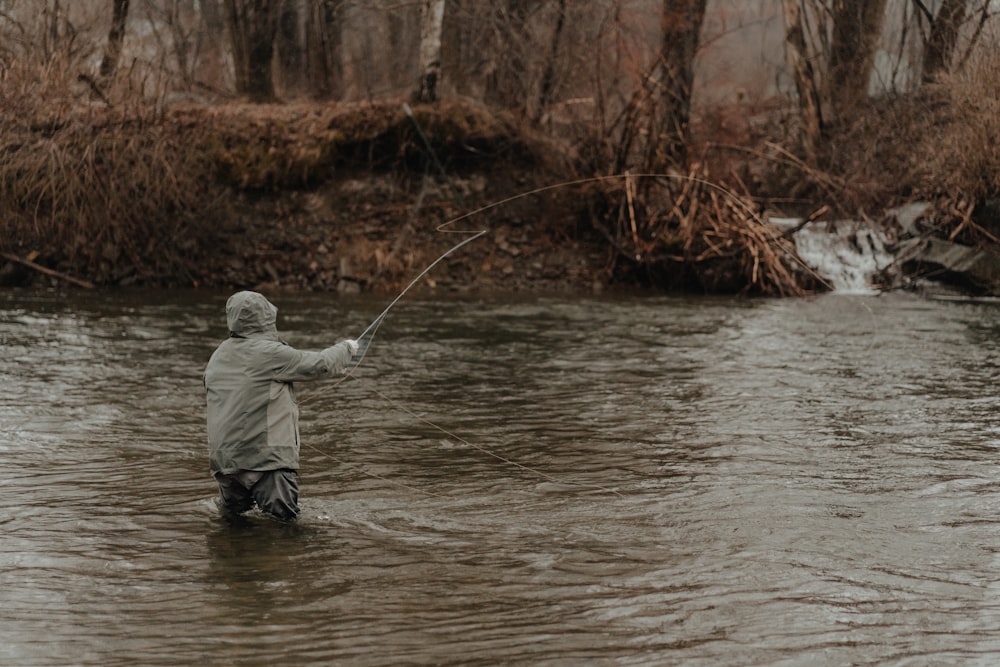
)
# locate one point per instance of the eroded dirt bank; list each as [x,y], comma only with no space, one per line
[364,197]
[303,197]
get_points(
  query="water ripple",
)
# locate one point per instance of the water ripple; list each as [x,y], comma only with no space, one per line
[618,481]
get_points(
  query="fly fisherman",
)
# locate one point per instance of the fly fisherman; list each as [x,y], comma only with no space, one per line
[253,419]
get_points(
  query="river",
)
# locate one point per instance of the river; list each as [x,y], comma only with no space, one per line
[629,480]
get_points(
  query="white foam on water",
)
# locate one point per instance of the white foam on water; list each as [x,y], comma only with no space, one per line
[847,255]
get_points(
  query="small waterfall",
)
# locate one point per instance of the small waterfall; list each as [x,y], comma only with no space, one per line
[847,255]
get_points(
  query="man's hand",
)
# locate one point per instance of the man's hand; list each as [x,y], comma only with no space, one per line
[353,344]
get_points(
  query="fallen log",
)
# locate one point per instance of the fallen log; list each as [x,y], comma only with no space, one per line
[47,271]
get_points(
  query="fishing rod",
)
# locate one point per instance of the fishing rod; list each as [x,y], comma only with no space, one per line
[370,331]
[365,339]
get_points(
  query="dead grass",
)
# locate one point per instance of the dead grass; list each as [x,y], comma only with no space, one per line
[298,146]
[964,153]
[689,232]
[134,193]
[117,199]
[161,197]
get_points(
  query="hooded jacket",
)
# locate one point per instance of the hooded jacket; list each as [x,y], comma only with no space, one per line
[253,419]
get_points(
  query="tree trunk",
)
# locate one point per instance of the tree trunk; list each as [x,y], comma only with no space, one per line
[431,21]
[943,38]
[211,36]
[806,84]
[291,52]
[669,131]
[174,14]
[324,41]
[116,37]
[252,28]
[831,79]
[857,27]
[506,82]
[54,22]
[456,32]
[548,75]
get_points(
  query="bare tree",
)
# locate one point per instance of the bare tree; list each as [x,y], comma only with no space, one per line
[548,82]
[290,44]
[517,47]
[55,20]
[857,26]
[173,24]
[431,21]
[655,124]
[832,50]
[653,130]
[211,44]
[116,37]
[680,30]
[942,36]
[58,33]
[323,48]
[806,79]
[252,28]
[505,65]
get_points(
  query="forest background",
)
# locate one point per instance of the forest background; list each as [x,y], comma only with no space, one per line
[322,144]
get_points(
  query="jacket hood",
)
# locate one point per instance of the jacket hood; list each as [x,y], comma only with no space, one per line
[250,313]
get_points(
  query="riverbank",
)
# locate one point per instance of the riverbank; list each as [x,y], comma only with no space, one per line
[297,196]
[363,197]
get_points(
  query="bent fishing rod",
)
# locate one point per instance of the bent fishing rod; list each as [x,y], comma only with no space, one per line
[364,340]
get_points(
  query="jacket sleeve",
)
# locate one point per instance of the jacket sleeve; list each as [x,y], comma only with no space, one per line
[298,365]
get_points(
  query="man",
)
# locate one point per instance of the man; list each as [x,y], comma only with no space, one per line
[253,419]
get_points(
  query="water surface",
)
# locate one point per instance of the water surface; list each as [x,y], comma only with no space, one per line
[652,481]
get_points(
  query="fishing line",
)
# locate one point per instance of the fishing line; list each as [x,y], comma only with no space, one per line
[361,470]
[489,452]
[628,175]
[427,142]
[365,339]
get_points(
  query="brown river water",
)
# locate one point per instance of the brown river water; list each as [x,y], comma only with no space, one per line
[616,480]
